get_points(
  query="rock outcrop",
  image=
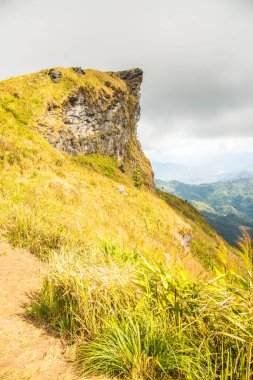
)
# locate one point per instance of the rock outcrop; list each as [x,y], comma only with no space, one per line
[55,75]
[101,117]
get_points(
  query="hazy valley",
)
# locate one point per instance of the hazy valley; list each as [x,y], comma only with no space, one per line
[207,169]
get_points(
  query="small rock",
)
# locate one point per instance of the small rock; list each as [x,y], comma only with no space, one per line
[186,240]
[130,74]
[55,75]
[122,168]
[122,190]
[17,95]
[78,70]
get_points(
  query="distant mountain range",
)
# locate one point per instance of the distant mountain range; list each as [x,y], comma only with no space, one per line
[223,167]
[226,205]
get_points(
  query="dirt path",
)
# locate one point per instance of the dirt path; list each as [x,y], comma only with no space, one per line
[27,352]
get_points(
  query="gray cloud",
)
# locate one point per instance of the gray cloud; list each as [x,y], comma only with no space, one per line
[197,56]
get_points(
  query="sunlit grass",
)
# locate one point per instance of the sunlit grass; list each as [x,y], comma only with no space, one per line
[122,282]
[141,320]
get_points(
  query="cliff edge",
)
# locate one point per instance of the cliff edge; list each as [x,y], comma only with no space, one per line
[97,114]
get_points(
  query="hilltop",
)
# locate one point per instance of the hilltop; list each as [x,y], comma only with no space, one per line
[79,112]
[129,269]
[84,111]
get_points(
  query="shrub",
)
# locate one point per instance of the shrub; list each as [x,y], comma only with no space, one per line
[137,178]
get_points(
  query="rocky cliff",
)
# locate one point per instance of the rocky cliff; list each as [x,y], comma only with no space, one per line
[99,116]
[50,199]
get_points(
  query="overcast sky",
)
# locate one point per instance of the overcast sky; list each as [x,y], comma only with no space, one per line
[197,57]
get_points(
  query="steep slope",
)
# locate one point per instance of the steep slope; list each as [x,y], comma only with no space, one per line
[53,200]
[80,112]
[128,270]
[227,205]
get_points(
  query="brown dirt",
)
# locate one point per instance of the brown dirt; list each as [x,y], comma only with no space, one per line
[27,351]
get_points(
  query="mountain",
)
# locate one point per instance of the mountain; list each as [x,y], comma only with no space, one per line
[170,171]
[129,273]
[83,112]
[215,168]
[73,131]
[227,205]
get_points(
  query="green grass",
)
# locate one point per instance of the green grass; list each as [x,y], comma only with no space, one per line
[143,320]
[121,284]
[51,201]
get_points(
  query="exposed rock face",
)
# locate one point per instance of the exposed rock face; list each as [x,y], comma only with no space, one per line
[98,130]
[78,70]
[103,121]
[133,79]
[55,75]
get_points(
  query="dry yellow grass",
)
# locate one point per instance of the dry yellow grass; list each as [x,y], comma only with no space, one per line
[52,201]
[70,209]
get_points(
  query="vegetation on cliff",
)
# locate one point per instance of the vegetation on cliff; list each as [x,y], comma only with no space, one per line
[35,102]
[131,275]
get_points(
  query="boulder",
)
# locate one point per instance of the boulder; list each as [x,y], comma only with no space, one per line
[122,190]
[78,70]
[55,75]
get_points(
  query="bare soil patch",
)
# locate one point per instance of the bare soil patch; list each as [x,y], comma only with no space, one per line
[27,351]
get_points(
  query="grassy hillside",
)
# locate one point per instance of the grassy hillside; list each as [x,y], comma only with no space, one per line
[226,205]
[131,275]
[37,102]
[52,200]
[188,211]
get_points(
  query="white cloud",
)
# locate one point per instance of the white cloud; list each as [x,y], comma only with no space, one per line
[197,58]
